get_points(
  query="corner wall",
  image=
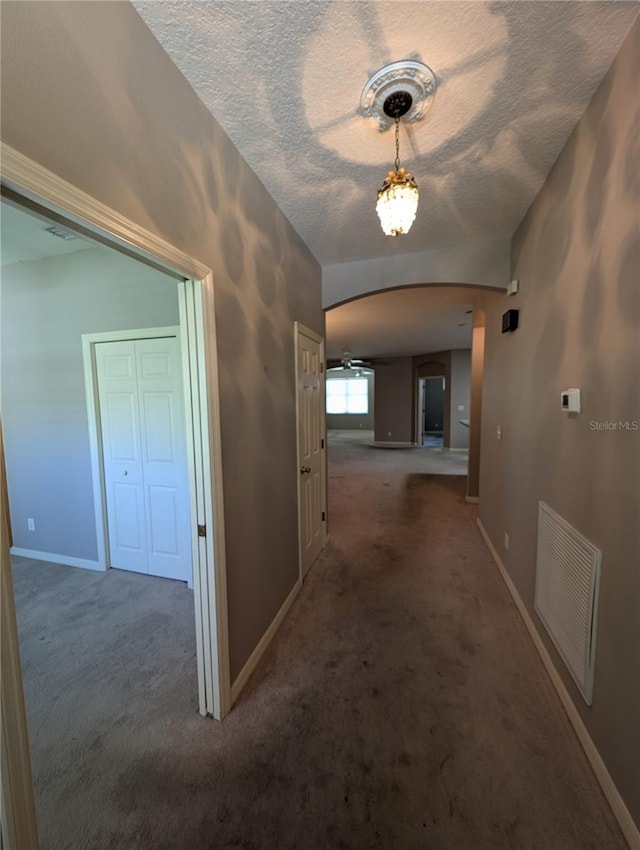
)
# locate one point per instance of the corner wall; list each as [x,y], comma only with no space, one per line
[577,257]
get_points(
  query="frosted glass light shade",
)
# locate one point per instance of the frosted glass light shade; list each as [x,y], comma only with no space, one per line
[397,202]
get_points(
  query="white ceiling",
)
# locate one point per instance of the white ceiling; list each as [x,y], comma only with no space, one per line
[284,80]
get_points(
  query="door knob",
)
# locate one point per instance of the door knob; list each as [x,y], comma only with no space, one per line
[124,472]
[305,469]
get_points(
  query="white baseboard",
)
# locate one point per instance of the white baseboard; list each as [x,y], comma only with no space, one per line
[472,499]
[54,558]
[265,640]
[383,445]
[621,812]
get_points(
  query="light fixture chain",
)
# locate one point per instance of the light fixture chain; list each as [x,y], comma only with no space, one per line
[397,201]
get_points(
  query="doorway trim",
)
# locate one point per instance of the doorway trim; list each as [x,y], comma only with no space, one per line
[18,826]
[29,183]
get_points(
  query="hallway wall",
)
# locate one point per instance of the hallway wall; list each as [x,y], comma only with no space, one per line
[577,256]
[88,93]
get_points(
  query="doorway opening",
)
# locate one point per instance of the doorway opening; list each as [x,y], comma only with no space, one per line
[29,187]
[431,412]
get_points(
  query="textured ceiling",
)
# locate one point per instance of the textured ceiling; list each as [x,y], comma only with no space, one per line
[284,81]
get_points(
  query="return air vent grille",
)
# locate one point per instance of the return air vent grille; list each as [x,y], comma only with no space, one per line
[567,580]
[59,232]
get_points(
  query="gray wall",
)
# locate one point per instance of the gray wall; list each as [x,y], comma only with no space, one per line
[46,306]
[88,93]
[352,421]
[394,401]
[460,396]
[577,257]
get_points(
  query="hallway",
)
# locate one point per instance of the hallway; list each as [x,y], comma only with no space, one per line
[401,705]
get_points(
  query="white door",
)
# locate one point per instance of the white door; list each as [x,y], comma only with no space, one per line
[310,449]
[144,456]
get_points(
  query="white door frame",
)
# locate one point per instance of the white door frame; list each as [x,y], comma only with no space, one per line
[17,806]
[31,182]
[298,329]
[89,342]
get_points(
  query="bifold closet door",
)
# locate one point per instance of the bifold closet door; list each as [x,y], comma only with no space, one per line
[144,456]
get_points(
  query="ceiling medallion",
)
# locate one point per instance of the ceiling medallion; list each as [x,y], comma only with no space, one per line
[401,90]
[414,78]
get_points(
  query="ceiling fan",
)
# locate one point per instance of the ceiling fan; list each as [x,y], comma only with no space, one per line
[347,362]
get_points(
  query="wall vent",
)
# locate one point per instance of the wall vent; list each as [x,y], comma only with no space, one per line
[566,596]
[54,230]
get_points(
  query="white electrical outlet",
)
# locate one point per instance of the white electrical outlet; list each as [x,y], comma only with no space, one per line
[31,525]
[506,540]
[461,407]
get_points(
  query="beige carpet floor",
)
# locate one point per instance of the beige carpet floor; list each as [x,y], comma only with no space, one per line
[401,705]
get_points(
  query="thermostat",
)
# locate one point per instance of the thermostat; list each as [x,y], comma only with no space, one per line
[570,400]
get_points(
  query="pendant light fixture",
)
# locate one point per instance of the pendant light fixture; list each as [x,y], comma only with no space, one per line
[398,196]
[402,90]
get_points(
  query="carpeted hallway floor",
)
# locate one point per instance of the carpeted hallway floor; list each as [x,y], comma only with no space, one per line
[401,705]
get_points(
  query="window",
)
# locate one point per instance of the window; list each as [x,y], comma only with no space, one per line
[347,395]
